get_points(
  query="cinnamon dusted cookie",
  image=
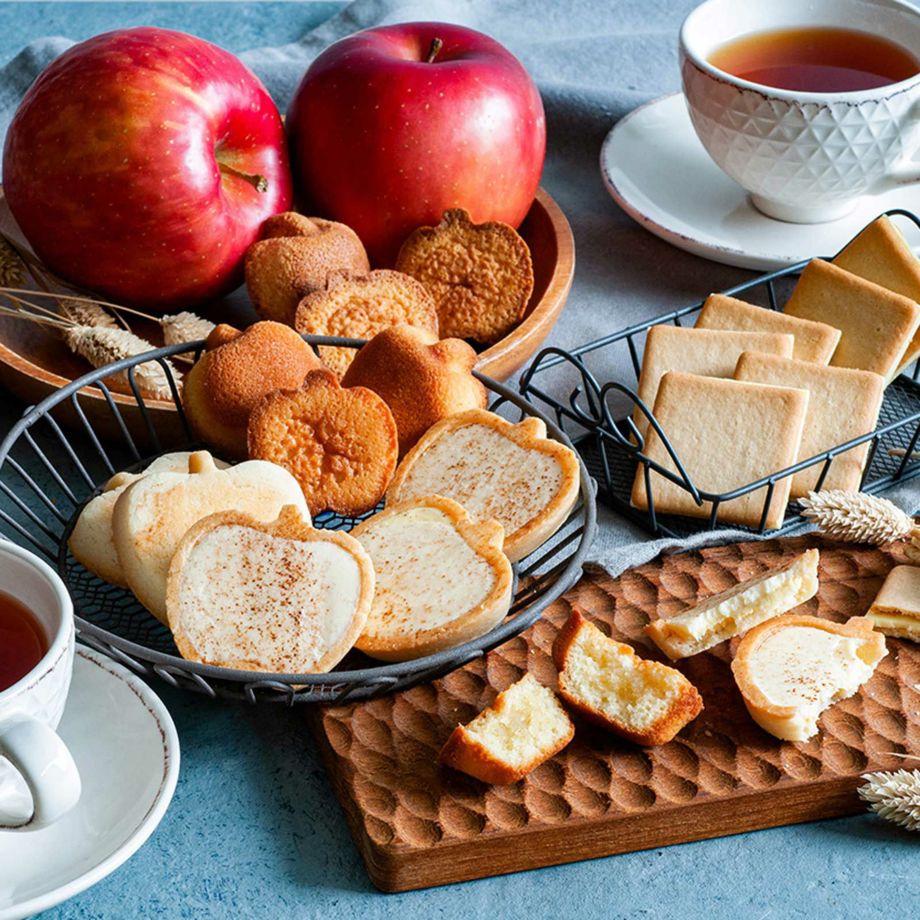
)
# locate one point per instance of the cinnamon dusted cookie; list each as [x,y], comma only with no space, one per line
[481,275]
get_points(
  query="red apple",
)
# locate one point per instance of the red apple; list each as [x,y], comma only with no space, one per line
[142,163]
[392,126]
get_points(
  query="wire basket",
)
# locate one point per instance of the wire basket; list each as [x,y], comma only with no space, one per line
[56,458]
[598,417]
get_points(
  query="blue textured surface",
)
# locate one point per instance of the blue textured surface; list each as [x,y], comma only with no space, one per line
[254,830]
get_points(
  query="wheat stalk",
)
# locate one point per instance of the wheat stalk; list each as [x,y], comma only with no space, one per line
[12,268]
[856,517]
[894,796]
[180,328]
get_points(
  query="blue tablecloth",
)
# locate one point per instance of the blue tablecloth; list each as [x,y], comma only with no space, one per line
[253,830]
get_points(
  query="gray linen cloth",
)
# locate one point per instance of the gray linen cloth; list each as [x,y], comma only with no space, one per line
[593,62]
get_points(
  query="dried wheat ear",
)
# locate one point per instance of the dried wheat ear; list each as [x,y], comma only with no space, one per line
[894,796]
[855,517]
[180,328]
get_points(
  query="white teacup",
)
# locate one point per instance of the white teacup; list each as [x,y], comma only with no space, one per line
[803,157]
[31,708]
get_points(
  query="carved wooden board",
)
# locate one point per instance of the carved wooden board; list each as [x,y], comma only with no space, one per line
[417,824]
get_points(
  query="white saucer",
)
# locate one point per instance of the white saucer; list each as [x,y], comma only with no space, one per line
[657,170]
[127,751]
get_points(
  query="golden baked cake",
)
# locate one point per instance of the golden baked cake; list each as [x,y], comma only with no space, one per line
[422,379]
[360,306]
[523,728]
[275,596]
[339,444]
[481,275]
[792,668]
[513,474]
[297,255]
[606,682]
[896,608]
[227,382]
[442,579]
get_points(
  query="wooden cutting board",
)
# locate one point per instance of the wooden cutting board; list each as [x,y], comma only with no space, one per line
[417,824]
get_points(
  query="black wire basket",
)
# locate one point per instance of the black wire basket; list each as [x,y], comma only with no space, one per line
[598,417]
[55,459]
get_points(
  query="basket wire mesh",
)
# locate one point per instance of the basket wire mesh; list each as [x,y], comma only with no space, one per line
[61,453]
[598,417]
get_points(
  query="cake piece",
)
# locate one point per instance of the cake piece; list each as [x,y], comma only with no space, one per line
[707,352]
[727,434]
[442,579]
[877,325]
[524,727]
[843,404]
[360,306]
[882,255]
[792,668]
[274,596]
[513,474]
[737,609]
[607,683]
[813,341]
[896,608]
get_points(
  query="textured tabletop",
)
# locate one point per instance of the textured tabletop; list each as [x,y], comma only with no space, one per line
[254,831]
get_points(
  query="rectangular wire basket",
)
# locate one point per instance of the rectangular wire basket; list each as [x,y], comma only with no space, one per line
[598,417]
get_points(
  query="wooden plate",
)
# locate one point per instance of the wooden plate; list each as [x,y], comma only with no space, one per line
[34,361]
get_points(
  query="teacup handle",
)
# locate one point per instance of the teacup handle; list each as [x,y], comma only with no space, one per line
[46,765]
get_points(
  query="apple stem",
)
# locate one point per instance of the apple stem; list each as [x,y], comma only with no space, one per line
[259,183]
[436,46]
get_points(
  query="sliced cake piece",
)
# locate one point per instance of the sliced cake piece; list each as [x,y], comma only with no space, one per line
[896,608]
[524,727]
[606,682]
[732,612]
[442,579]
[791,668]
[513,474]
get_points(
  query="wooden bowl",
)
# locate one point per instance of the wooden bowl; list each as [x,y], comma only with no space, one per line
[34,361]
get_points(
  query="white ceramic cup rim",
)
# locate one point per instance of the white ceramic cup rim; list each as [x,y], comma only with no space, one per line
[59,641]
[701,61]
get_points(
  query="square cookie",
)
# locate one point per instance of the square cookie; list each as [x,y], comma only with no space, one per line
[877,325]
[727,434]
[813,341]
[843,404]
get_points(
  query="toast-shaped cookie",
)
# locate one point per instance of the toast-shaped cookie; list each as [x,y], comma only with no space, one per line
[275,596]
[896,608]
[153,515]
[91,541]
[605,682]
[513,474]
[442,579]
[340,444]
[791,668]
[738,609]
[523,728]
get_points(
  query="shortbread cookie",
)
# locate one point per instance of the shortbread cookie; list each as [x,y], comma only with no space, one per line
[605,682]
[896,608]
[442,579]
[736,610]
[727,435]
[153,514]
[881,254]
[297,255]
[340,444]
[513,474]
[360,306]
[792,668]
[227,383]
[274,596]
[523,728]
[813,341]
[708,352]
[877,325]
[91,538]
[843,404]
[422,380]
[481,275]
